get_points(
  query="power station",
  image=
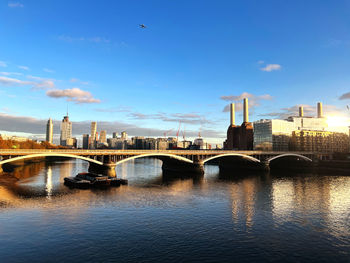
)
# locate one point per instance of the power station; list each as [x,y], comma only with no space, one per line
[239,137]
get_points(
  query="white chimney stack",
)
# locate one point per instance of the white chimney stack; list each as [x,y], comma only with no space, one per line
[245,110]
[232,110]
[301,111]
[319,110]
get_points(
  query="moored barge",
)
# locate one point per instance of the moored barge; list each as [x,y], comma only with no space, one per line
[87,180]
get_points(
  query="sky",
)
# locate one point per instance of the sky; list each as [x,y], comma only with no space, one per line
[191,61]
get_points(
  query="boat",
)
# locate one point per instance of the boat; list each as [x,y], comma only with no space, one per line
[86,180]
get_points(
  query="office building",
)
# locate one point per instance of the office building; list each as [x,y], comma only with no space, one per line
[93,135]
[272,135]
[319,141]
[86,141]
[103,136]
[49,131]
[300,133]
[115,135]
[124,135]
[66,131]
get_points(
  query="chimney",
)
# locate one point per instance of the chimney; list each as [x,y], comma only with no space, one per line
[245,110]
[319,110]
[232,110]
[301,111]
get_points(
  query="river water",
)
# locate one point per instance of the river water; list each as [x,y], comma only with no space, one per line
[245,218]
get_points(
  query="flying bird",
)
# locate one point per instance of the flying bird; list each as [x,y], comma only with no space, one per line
[142,26]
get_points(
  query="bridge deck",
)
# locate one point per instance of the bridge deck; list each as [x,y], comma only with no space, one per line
[20,152]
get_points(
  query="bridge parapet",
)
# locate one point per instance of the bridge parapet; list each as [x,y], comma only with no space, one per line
[183,159]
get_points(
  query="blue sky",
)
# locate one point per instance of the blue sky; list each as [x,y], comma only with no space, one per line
[191,61]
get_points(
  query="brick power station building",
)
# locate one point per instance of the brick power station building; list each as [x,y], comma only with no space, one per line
[239,137]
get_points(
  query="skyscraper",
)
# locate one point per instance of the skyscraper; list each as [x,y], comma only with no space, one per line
[103,137]
[93,134]
[49,131]
[66,131]
[86,141]
[124,136]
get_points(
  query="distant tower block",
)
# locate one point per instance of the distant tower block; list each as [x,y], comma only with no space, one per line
[301,111]
[232,110]
[245,110]
[319,110]
[49,131]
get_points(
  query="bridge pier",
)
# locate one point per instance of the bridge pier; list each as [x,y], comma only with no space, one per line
[178,167]
[106,169]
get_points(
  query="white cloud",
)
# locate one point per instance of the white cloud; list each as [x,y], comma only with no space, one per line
[345,96]
[75,94]
[188,118]
[13,82]
[16,123]
[254,100]
[23,67]
[11,73]
[48,70]
[261,62]
[271,67]
[15,4]
[36,83]
[309,110]
[75,80]
[3,64]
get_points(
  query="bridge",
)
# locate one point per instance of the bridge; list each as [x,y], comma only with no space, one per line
[191,161]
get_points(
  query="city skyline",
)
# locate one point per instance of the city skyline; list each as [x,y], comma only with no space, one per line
[145,81]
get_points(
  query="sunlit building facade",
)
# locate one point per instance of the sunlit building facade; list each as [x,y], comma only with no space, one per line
[49,131]
[66,131]
[319,141]
[103,136]
[93,135]
[300,133]
[272,135]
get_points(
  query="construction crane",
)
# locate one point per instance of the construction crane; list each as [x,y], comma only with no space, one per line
[177,134]
[184,134]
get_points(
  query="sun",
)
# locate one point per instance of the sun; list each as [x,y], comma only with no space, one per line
[337,121]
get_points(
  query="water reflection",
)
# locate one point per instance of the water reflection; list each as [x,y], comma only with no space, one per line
[48,180]
[224,213]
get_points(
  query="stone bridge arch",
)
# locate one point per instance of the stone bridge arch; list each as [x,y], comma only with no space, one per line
[246,157]
[289,155]
[157,155]
[31,156]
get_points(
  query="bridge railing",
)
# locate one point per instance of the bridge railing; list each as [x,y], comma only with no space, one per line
[132,151]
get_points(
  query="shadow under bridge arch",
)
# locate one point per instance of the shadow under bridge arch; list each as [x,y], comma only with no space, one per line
[161,156]
[38,155]
[239,155]
[290,162]
[231,163]
[290,155]
[171,163]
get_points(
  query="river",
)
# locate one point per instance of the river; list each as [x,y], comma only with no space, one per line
[242,218]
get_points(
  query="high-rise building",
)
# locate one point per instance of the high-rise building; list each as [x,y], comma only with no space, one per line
[66,131]
[124,135]
[103,136]
[115,135]
[86,141]
[93,135]
[49,131]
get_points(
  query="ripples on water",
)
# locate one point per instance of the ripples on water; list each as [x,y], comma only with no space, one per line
[299,218]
